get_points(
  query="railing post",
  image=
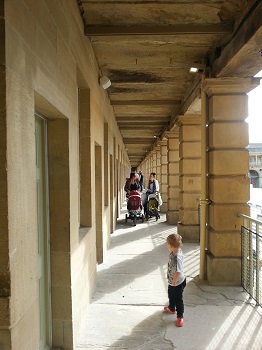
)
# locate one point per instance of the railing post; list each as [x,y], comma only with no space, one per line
[257,265]
[251,262]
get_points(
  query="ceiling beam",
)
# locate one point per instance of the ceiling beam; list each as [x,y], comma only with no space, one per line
[159,2]
[140,158]
[191,94]
[153,120]
[177,29]
[228,60]
[137,141]
[145,102]
[142,119]
[136,127]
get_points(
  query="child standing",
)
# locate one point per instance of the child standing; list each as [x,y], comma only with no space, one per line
[176,278]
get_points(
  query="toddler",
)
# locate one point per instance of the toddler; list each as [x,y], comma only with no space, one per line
[176,278]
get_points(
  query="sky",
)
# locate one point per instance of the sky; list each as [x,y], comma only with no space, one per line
[255,113]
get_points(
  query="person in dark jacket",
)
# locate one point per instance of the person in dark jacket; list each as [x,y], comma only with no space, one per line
[132,184]
[141,179]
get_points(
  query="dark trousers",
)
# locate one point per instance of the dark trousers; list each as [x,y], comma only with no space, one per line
[146,205]
[175,296]
[145,208]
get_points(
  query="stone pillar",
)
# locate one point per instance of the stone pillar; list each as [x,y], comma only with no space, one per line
[228,183]
[146,174]
[154,162]
[190,176]
[172,214]
[158,164]
[150,163]
[163,174]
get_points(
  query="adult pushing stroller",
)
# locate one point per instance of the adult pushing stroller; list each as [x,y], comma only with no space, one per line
[153,198]
[152,205]
[134,207]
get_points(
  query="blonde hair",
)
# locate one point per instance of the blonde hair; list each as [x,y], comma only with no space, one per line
[175,240]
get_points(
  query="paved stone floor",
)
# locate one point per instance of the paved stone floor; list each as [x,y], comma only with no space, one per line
[126,311]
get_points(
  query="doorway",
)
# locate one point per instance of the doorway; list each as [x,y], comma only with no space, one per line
[43,234]
[98,203]
[254,178]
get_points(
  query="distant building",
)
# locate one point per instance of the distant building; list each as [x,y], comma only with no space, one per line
[255,164]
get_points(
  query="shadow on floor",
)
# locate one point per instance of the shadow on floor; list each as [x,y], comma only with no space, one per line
[126,309]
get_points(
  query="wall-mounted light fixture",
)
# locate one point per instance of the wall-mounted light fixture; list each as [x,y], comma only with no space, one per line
[105,82]
[193,70]
[197,68]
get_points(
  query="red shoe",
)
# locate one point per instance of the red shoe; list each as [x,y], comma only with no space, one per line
[166,309]
[179,322]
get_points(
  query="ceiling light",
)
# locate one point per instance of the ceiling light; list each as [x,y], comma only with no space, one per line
[197,68]
[193,70]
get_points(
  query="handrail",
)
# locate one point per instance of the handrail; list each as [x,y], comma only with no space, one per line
[251,262]
[249,218]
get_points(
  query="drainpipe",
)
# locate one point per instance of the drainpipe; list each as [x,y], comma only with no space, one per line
[203,200]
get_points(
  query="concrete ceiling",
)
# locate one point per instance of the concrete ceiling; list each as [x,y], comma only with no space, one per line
[146,48]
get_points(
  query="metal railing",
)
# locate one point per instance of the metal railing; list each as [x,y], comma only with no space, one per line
[251,257]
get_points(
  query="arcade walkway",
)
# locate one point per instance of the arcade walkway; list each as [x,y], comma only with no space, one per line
[126,309]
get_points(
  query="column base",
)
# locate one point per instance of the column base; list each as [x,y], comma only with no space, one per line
[163,208]
[223,271]
[189,233]
[172,217]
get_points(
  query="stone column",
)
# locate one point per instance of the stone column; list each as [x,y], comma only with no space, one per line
[190,176]
[153,162]
[146,174]
[163,174]
[228,183]
[158,164]
[172,214]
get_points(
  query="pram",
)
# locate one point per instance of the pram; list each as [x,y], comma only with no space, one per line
[134,207]
[152,205]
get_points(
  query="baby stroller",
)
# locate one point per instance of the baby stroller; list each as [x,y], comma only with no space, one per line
[134,207]
[152,206]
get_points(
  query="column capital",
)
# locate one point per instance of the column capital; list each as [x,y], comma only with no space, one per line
[172,134]
[163,142]
[189,119]
[229,85]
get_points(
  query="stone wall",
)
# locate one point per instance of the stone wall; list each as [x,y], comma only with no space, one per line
[48,59]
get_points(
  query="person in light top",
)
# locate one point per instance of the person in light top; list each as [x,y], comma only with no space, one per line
[153,185]
[176,278]
[152,188]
